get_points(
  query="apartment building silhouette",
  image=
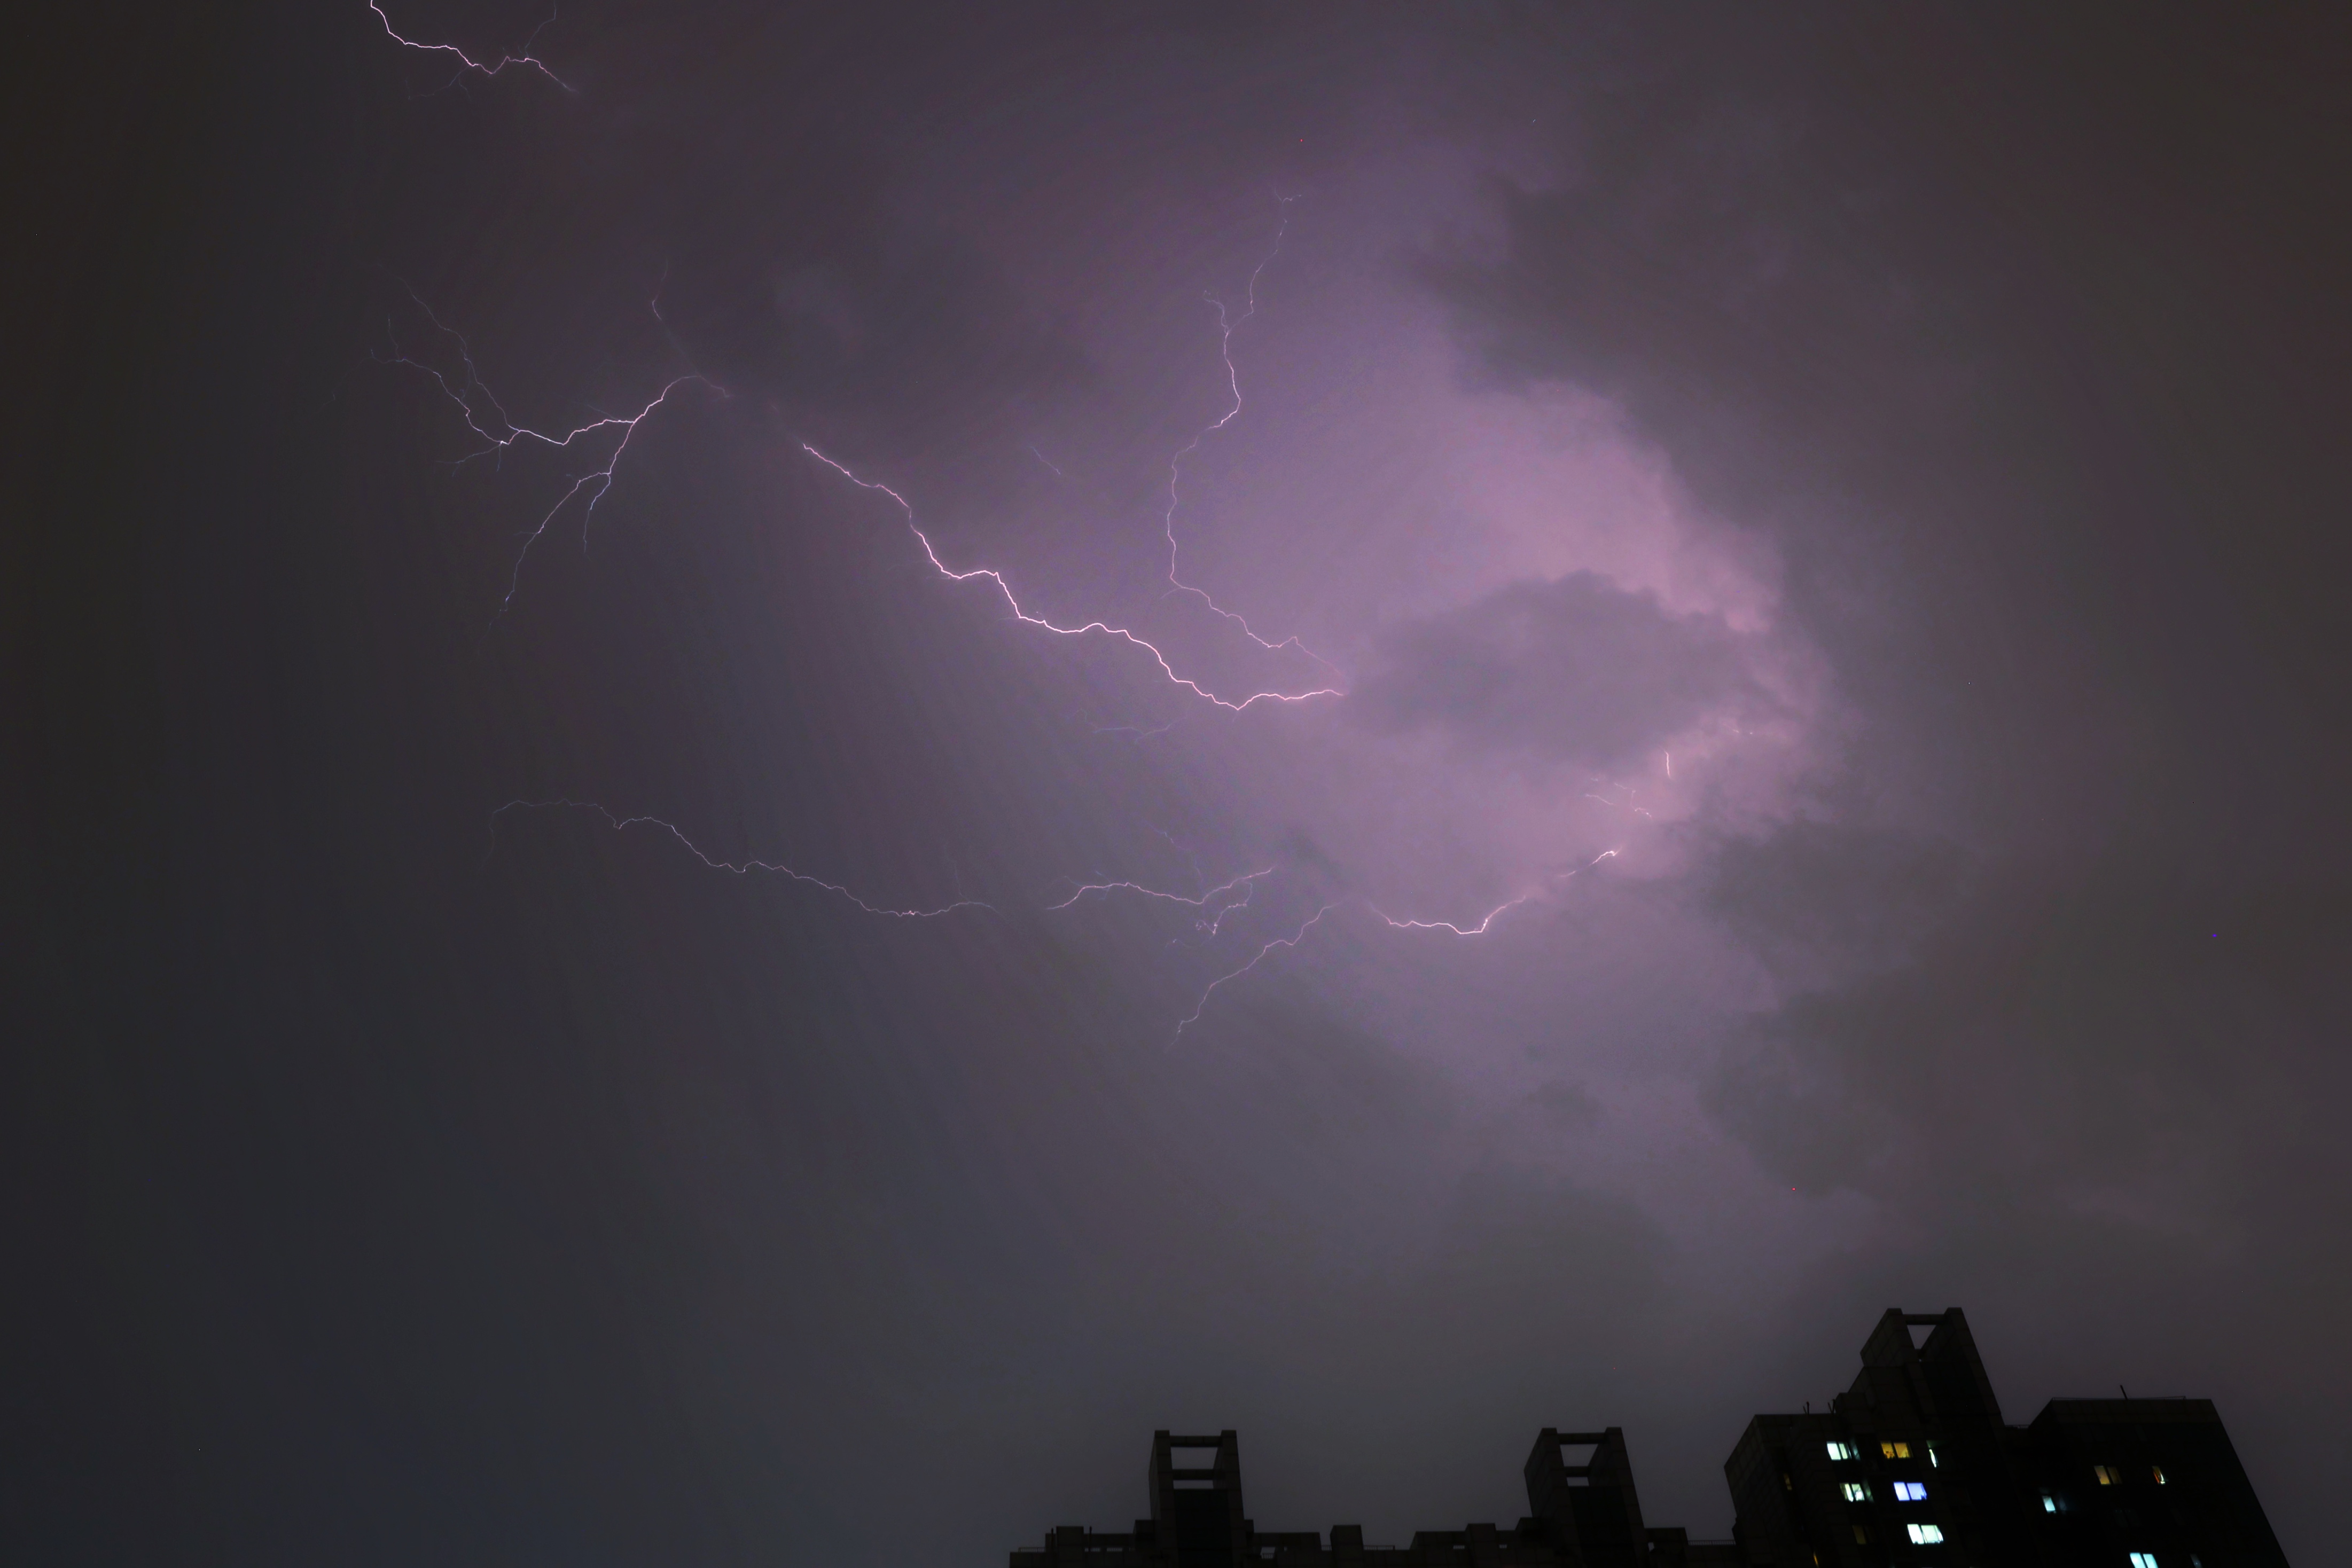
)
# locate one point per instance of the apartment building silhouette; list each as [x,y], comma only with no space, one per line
[1912,1465]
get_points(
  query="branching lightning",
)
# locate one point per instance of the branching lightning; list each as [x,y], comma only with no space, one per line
[1292,940]
[488,419]
[739,868]
[1120,633]
[1225,327]
[608,438]
[466,63]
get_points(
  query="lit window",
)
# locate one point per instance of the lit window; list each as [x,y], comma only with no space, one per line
[1842,1451]
[1856,1491]
[1861,1535]
[1895,1450]
[1910,1491]
[1925,1534]
[2158,1472]
[2143,1560]
[2107,1474]
[1786,1484]
[1931,1456]
[2050,1502]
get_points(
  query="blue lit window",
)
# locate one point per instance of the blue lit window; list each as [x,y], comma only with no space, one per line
[1910,1491]
[2050,1502]
[1925,1534]
[2143,1560]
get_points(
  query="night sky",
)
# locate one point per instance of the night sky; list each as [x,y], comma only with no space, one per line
[1796,560]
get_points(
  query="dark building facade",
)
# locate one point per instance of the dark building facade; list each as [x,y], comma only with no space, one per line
[1913,1465]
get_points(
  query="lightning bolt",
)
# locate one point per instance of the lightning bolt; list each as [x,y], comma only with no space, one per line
[1299,935]
[739,868]
[498,432]
[1292,940]
[466,62]
[488,419]
[1478,930]
[1596,860]
[1627,803]
[1493,915]
[1216,926]
[1246,880]
[1225,326]
[1105,629]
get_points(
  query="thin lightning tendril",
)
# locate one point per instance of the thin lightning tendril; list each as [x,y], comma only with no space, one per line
[594,484]
[466,62]
[1299,935]
[739,868]
[1225,326]
[1121,632]
[1246,879]
[1292,940]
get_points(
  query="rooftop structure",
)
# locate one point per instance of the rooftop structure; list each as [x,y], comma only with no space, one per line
[1911,1465]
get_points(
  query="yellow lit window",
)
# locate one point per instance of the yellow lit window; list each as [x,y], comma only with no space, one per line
[1862,1534]
[2158,1470]
[2107,1474]
[1895,1450]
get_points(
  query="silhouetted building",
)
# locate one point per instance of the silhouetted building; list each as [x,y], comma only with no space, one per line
[1914,1464]
[1911,1465]
[1584,1514]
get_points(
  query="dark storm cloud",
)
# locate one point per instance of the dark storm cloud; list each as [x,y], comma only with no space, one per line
[2126,1035]
[2011,339]
[1817,901]
[376,1201]
[1932,306]
[1574,670]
